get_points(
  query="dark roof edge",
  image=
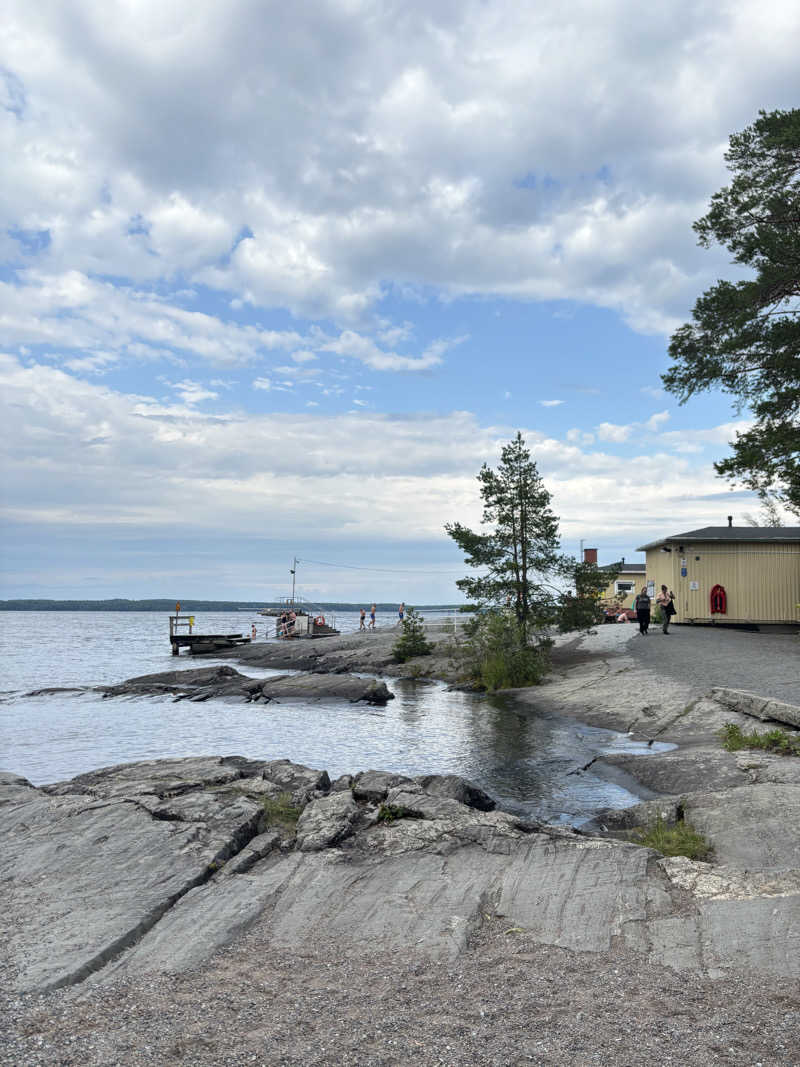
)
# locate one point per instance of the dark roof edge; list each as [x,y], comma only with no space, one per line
[732,535]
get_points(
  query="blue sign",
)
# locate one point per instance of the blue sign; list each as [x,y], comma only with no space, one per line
[683,572]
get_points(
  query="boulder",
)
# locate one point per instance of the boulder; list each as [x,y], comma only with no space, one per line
[757,706]
[300,782]
[325,822]
[374,785]
[457,788]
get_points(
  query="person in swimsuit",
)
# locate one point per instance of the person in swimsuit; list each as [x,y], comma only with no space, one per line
[372,617]
[401,611]
[362,620]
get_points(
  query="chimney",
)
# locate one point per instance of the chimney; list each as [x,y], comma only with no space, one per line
[590,555]
[730,520]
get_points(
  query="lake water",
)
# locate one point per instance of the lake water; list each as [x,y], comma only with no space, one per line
[524,760]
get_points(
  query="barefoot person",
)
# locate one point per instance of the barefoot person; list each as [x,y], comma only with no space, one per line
[665,601]
[401,611]
[362,620]
[642,608]
[372,617]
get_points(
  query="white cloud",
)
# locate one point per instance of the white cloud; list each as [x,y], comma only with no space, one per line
[357,346]
[551,403]
[262,383]
[99,363]
[656,421]
[415,148]
[417,473]
[193,392]
[609,431]
[579,437]
[695,441]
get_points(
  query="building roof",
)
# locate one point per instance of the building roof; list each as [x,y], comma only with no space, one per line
[629,568]
[774,534]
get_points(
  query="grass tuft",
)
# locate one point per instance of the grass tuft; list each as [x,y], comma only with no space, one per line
[392,812]
[281,812]
[784,744]
[679,840]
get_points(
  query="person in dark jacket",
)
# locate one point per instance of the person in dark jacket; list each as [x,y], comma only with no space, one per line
[642,607]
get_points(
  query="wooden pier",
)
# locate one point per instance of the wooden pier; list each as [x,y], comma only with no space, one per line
[199,644]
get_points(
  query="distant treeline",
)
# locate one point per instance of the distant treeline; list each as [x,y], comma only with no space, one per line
[189,606]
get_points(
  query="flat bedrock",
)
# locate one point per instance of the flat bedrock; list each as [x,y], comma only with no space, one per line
[153,866]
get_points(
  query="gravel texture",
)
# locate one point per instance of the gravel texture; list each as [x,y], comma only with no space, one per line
[505,1001]
[706,656]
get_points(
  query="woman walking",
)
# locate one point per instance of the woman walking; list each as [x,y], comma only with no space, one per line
[665,602]
[642,608]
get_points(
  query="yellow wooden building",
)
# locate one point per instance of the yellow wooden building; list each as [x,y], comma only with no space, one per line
[629,581]
[730,574]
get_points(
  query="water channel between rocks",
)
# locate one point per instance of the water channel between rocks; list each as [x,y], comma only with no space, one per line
[531,763]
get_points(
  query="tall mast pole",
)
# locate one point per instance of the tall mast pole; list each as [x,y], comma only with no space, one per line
[294,568]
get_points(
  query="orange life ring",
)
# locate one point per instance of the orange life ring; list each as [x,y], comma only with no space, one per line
[320,620]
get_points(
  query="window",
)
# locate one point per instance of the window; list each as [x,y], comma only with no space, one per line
[623,587]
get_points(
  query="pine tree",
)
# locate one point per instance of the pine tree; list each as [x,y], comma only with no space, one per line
[744,336]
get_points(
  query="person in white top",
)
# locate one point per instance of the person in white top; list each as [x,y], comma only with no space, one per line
[664,600]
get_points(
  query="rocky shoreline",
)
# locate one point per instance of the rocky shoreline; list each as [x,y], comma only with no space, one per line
[206,874]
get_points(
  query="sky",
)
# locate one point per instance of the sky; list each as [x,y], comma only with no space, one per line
[276,279]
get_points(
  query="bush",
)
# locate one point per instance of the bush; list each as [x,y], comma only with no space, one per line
[412,642]
[497,656]
[775,740]
[679,840]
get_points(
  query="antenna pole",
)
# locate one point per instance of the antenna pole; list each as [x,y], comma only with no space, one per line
[294,568]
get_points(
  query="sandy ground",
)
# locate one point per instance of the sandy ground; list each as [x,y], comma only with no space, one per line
[507,1000]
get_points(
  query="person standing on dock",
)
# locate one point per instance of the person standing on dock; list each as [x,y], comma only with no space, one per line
[372,617]
[362,620]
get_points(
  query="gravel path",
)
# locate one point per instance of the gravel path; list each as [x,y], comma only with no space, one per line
[703,656]
[506,1001]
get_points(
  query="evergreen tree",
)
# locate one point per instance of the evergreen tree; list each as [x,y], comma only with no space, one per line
[412,641]
[520,551]
[527,585]
[745,336]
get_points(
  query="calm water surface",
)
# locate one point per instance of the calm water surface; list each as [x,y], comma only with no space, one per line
[524,761]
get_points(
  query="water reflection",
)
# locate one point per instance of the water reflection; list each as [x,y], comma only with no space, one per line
[531,763]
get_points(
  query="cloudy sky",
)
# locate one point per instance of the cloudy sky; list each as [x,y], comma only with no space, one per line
[277,278]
